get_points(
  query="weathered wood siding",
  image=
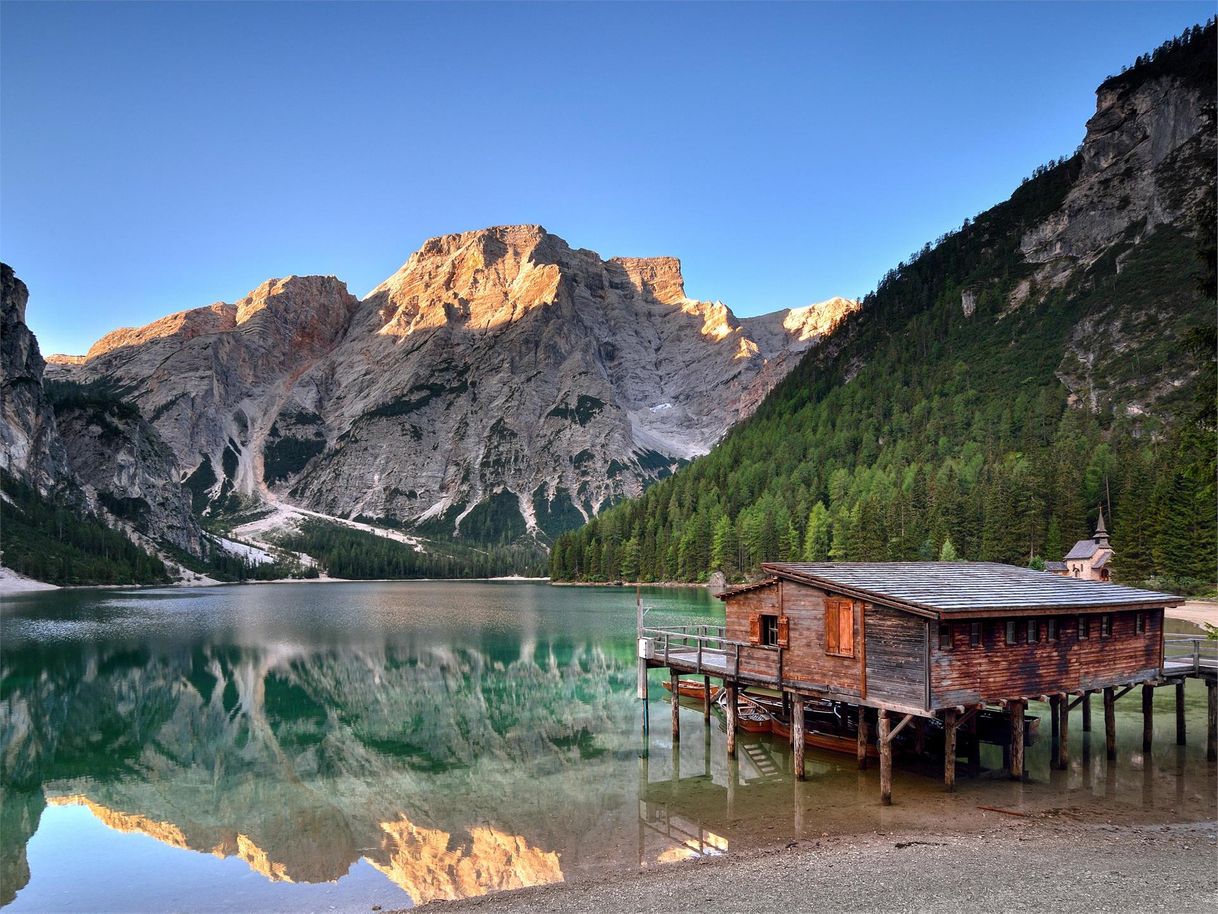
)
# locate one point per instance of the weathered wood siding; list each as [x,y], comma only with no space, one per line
[896,656]
[995,670]
[740,608]
[807,663]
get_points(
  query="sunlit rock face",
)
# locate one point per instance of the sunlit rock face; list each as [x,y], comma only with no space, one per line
[499,368]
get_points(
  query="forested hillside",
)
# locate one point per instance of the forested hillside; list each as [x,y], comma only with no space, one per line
[1052,356]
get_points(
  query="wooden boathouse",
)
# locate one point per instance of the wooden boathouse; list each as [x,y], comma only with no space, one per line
[912,644]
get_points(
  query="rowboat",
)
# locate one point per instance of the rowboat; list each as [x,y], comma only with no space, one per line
[693,688]
[822,739]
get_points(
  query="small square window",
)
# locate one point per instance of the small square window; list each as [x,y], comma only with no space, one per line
[1139,623]
[974,634]
[769,630]
[1033,631]
[1050,629]
[1106,625]
[1011,630]
[945,636]
[1084,628]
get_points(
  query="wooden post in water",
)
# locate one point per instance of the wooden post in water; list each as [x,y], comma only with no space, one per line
[706,699]
[638,624]
[949,750]
[864,738]
[885,759]
[1181,731]
[1087,711]
[731,719]
[675,679]
[1063,746]
[1016,770]
[1055,718]
[1211,736]
[797,734]
[1110,722]
[1148,717]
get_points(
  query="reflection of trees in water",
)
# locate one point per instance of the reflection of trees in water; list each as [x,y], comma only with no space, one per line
[460,768]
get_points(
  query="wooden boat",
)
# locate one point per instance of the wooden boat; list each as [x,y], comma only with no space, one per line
[751,717]
[822,739]
[693,688]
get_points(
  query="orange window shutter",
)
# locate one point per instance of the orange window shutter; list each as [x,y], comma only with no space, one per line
[831,626]
[846,632]
[755,628]
[784,632]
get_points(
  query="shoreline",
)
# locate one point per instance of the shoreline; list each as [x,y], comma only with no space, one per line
[1029,865]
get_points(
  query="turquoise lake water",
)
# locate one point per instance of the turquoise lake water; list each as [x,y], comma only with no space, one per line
[299,747]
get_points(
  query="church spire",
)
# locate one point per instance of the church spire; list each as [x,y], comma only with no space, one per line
[1101,534]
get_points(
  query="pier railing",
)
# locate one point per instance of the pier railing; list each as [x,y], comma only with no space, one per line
[1190,655]
[707,649]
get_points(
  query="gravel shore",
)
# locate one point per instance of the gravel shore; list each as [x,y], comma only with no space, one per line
[1021,866]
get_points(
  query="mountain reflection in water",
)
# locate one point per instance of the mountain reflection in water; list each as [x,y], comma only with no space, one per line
[460,738]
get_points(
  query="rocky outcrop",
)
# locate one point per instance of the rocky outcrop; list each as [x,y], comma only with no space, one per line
[30,447]
[500,383]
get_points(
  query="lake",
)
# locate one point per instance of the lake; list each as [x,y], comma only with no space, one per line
[299,747]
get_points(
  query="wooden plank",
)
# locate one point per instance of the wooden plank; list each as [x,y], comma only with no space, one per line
[1148,717]
[949,750]
[675,680]
[1181,727]
[797,735]
[1063,745]
[864,727]
[885,760]
[706,699]
[730,711]
[1110,722]
[1017,723]
[1086,712]
[1055,720]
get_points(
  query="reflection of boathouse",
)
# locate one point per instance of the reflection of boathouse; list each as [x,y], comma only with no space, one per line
[918,647]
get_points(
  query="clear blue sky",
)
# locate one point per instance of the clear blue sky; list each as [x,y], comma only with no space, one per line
[159,156]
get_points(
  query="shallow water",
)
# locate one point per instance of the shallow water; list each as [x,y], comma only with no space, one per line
[333,747]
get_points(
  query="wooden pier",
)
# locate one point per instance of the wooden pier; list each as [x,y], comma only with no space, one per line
[934,652]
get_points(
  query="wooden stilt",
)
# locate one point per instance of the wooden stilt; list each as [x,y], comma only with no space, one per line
[1148,717]
[885,759]
[1063,746]
[949,750]
[1087,712]
[1055,719]
[676,706]
[731,719]
[1211,736]
[1181,729]
[1110,722]
[797,735]
[919,726]
[864,738]
[1016,769]
[706,699]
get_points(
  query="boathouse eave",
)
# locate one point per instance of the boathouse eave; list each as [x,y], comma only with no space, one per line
[832,587]
[1060,607]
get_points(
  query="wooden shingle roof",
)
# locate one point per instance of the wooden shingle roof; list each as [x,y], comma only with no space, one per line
[968,587]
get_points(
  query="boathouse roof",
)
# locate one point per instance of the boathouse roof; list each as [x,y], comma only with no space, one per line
[967,587]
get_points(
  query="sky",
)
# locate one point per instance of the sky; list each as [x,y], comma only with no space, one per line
[162,156]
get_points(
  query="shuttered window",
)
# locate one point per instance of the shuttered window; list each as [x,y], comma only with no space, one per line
[839,627]
[773,631]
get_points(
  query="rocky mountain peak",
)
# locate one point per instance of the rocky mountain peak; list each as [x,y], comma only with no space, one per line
[657,277]
[817,319]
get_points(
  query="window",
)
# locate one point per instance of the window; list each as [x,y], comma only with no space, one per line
[1139,623]
[1011,631]
[1084,628]
[945,636]
[1106,625]
[769,630]
[1050,629]
[1033,631]
[839,627]
[974,634]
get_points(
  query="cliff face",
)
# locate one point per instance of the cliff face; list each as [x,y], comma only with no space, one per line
[30,447]
[500,372]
